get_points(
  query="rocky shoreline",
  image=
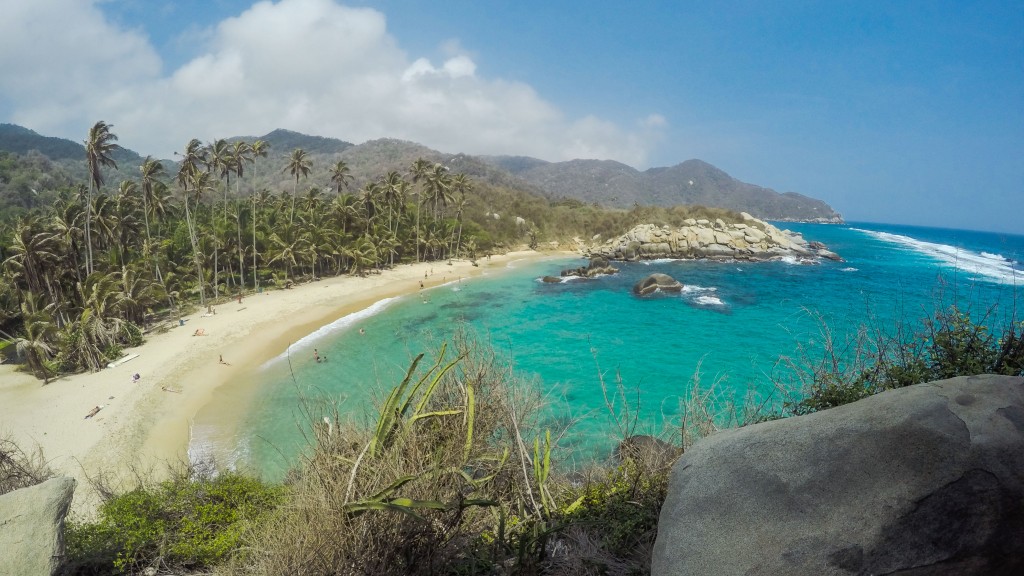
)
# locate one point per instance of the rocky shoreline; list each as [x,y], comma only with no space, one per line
[750,240]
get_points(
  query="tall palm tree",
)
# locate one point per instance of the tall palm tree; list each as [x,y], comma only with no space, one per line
[420,169]
[341,175]
[151,171]
[298,165]
[259,149]
[461,184]
[98,148]
[240,154]
[221,163]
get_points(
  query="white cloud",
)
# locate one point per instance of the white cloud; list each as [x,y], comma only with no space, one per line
[314,66]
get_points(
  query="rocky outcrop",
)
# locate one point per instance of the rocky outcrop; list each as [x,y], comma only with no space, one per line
[927,479]
[648,451]
[751,239]
[597,266]
[32,527]
[657,282]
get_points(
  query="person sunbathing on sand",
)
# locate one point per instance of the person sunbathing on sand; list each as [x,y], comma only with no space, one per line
[199,332]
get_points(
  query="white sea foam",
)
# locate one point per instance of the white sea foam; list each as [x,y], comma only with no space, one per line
[336,326]
[849,269]
[984,265]
[791,260]
[702,295]
[660,261]
[209,443]
[690,288]
[562,279]
[708,301]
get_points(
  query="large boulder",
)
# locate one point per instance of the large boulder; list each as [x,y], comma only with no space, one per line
[924,480]
[32,527]
[656,282]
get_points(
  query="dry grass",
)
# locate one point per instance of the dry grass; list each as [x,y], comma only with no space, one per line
[449,460]
[21,469]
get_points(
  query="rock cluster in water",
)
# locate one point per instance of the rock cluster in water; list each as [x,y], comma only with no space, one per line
[598,266]
[657,282]
[751,239]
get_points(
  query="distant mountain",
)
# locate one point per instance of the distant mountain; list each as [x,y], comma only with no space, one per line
[604,182]
[21,140]
[612,183]
[286,140]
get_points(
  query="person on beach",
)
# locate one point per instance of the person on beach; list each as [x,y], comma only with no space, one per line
[361,331]
[136,377]
[325,357]
[222,360]
[316,354]
[421,284]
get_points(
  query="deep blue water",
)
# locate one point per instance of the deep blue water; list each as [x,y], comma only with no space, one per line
[732,324]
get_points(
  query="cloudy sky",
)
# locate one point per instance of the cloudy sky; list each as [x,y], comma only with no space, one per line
[905,112]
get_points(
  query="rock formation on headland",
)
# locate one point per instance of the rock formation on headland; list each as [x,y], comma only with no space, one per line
[927,479]
[751,239]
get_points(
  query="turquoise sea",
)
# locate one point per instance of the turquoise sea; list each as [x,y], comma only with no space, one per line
[732,324]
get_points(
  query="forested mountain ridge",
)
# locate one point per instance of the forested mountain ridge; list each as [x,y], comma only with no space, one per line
[611,183]
[603,182]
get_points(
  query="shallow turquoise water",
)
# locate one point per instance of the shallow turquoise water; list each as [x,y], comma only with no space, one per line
[732,323]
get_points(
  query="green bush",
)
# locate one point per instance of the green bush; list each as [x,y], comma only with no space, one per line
[185,523]
[948,344]
[619,511]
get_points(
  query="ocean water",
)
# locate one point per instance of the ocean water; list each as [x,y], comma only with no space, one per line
[729,327]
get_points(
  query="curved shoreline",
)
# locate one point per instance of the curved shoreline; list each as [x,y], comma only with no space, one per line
[141,426]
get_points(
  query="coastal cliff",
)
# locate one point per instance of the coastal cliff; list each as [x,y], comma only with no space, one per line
[751,239]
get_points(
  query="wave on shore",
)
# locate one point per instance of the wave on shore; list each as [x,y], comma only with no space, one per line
[336,326]
[992,267]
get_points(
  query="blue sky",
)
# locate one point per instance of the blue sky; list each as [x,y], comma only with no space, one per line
[905,112]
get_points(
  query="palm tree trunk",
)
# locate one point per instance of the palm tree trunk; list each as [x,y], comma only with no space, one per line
[195,254]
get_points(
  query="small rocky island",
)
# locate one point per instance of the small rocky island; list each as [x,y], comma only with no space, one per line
[751,239]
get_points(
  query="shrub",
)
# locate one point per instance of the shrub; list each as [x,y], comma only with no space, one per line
[180,523]
[948,344]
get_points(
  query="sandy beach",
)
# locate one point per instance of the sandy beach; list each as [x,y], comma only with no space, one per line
[144,424]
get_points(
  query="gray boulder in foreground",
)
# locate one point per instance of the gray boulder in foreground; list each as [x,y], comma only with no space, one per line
[924,480]
[32,528]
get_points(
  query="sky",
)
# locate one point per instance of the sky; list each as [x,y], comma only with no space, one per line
[901,112]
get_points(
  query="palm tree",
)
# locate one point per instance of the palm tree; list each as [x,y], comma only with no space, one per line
[298,165]
[98,148]
[35,345]
[341,175]
[420,169]
[240,155]
[100,322]
[126,221]
[368,198]
[151,171]
[461,185]
[221,163]
[259,149]
[34,258]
